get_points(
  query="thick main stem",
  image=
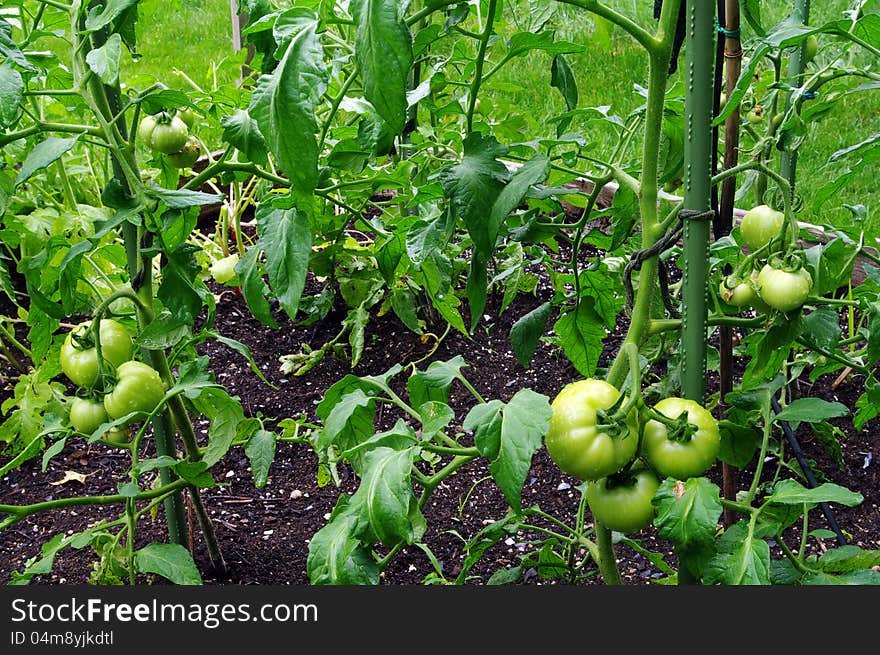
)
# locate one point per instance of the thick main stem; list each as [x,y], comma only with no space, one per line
[659,54]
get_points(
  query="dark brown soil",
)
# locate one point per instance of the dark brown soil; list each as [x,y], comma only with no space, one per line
[264,533]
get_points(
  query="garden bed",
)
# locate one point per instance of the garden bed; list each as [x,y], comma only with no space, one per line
[264,533]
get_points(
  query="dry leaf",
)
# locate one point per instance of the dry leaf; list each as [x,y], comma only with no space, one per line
[71,476]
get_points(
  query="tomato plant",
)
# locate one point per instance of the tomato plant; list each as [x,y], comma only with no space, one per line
[79,352]
[686,443]
[582,440]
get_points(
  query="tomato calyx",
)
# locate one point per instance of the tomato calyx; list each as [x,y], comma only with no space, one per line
[677,429]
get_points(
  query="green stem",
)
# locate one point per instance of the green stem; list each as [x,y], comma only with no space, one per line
[480,61]
[19,512]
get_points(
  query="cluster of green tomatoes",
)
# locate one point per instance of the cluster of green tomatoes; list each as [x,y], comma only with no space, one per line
[111,385]
[767,278]
[168,133]
[622,449]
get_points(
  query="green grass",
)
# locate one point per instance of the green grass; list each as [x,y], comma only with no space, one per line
[193,37]
[180,39]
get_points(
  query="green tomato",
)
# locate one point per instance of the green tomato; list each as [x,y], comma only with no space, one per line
[117,435]
[688,453]
[576,444]
[759,225]
[784,290]
[626,505]
[139,388]
[145,129]
[811,47]
[87,415]
[736,292]
[169,135]
[186,156]
[188,115]
[755,115]
[223,270]
[79,356]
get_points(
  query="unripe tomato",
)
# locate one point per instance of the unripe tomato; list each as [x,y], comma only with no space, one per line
[169,135]
[188,115]
[756,114]
[784,290]
[759,225]
[684,455]
[139,388]
[736,292]
[87,415]
[186,156]
[575,442]
[626,505]
[223,270]
[811,47]
[79,356]
[145,129]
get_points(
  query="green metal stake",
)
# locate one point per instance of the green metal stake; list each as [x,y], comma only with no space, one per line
[697,214]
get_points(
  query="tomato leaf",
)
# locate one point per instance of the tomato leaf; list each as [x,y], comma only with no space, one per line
[171,561]
[286,238]
[242,131]
[792,492]
[811,410]
[742,559]
[104,61]
[337,556]
[253,288]
[383,50]
[283,103]
[473,185]
[582,334]
[433,383]
[386,504]
[260,450]
[43,155]
[528,329]
[563,78]
[509,435]
[11,93]
[688,512]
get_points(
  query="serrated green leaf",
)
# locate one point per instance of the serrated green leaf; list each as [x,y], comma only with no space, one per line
[253,288]
[742,559]
[242,131]
[812,410]
[562,77]
[171,561]
[11,94]
[473,186]
[687,512]
[385,498]
[104,61]
[582,333]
